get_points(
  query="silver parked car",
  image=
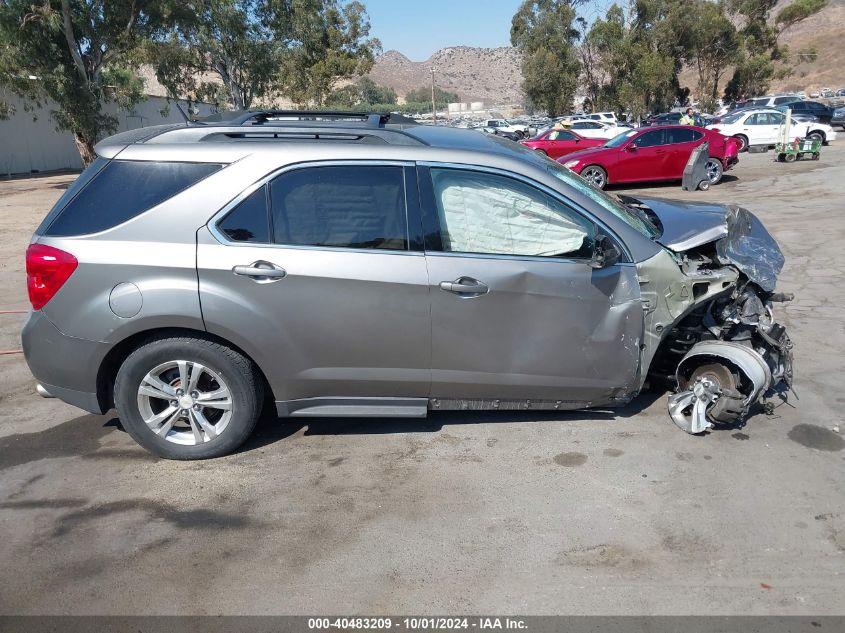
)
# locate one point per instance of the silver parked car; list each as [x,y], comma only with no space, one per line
[345,265]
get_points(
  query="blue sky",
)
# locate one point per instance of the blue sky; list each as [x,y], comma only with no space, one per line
[419,28]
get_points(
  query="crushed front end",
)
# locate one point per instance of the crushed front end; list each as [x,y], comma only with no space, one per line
[711,333]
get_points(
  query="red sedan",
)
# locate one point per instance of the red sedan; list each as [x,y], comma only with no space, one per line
[652,153]
[557,143]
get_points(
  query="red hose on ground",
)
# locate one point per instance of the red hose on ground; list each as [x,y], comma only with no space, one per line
[11,351]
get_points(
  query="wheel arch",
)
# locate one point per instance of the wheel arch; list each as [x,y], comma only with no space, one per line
[820,133]
[115,357]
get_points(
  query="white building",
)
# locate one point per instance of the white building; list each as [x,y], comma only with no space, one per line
[29,142]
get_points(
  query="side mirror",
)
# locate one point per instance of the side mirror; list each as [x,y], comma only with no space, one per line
[631,148]
[605,252]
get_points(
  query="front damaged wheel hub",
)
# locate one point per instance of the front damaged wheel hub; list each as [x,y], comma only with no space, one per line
[689,408]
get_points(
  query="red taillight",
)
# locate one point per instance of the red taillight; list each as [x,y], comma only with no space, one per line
[47,269]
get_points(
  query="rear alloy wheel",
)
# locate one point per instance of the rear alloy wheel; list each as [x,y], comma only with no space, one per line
[595,175]
[816,136]
[188,398]
[743,142]
[714,170]
[542,151]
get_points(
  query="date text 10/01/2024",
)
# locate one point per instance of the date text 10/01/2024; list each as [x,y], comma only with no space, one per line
[424,623]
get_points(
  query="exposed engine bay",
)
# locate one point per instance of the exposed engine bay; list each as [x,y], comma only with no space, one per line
[712,335]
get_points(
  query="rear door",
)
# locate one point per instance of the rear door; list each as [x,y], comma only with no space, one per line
[319,273]
[517,311]
[680,141]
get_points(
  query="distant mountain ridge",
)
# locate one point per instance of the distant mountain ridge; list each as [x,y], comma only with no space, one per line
[494,75]
[491,75]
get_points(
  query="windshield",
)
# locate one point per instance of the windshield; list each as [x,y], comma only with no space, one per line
[620,139]
[631,215]
[733,117]
[637,218]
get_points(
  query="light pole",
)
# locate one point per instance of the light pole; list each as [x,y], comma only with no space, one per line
[433,105]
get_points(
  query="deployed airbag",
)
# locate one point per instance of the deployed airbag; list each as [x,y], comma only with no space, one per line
[485,213]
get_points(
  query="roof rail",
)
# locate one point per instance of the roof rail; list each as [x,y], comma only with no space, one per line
[260,117]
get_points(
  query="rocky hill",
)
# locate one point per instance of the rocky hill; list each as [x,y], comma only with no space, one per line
[491,75]
[825,32]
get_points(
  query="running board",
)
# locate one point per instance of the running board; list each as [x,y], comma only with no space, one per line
[353,407]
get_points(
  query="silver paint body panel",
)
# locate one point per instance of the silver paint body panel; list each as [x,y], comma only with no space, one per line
[366,327]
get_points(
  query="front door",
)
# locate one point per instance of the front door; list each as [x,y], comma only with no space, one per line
[644,158]
[517,311]
[318,276]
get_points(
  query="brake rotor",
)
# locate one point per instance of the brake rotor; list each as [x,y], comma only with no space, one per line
[709,397]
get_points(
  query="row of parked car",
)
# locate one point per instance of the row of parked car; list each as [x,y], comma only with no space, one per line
[657,151]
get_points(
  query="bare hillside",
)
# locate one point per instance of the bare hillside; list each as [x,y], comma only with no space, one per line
[825,32]
[491,75]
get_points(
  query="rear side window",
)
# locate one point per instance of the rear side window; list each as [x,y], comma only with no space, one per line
[76,186]
[122,190]
[249,221]
[341,206]
[681,135]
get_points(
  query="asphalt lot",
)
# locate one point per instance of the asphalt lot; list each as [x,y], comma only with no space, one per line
[585,512]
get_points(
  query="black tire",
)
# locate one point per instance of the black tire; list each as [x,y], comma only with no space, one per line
[241,379]
[542,151]
[595,175]
[743,142]
[816,136]
[715,171]
[790,158]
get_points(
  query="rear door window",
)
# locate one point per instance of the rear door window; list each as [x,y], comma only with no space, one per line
[681,135]
[122,190]
[249,221]
[347,206]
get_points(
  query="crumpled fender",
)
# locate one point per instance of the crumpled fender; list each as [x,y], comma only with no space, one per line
[701,397]
[747,360]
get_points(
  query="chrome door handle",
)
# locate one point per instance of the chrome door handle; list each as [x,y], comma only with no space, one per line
[260,271]
[465,286]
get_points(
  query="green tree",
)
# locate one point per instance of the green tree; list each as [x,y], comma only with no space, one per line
[244,51]
[324,42]
[218,51]
[79,54]
[364,93]
[762,58]
[545,33]
[423,95]
[640,55]
[711,45]
[371,93]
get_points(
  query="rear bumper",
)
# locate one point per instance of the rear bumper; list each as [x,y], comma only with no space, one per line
[67,367]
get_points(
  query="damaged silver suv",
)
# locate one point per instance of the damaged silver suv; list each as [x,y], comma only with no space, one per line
[351,265]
